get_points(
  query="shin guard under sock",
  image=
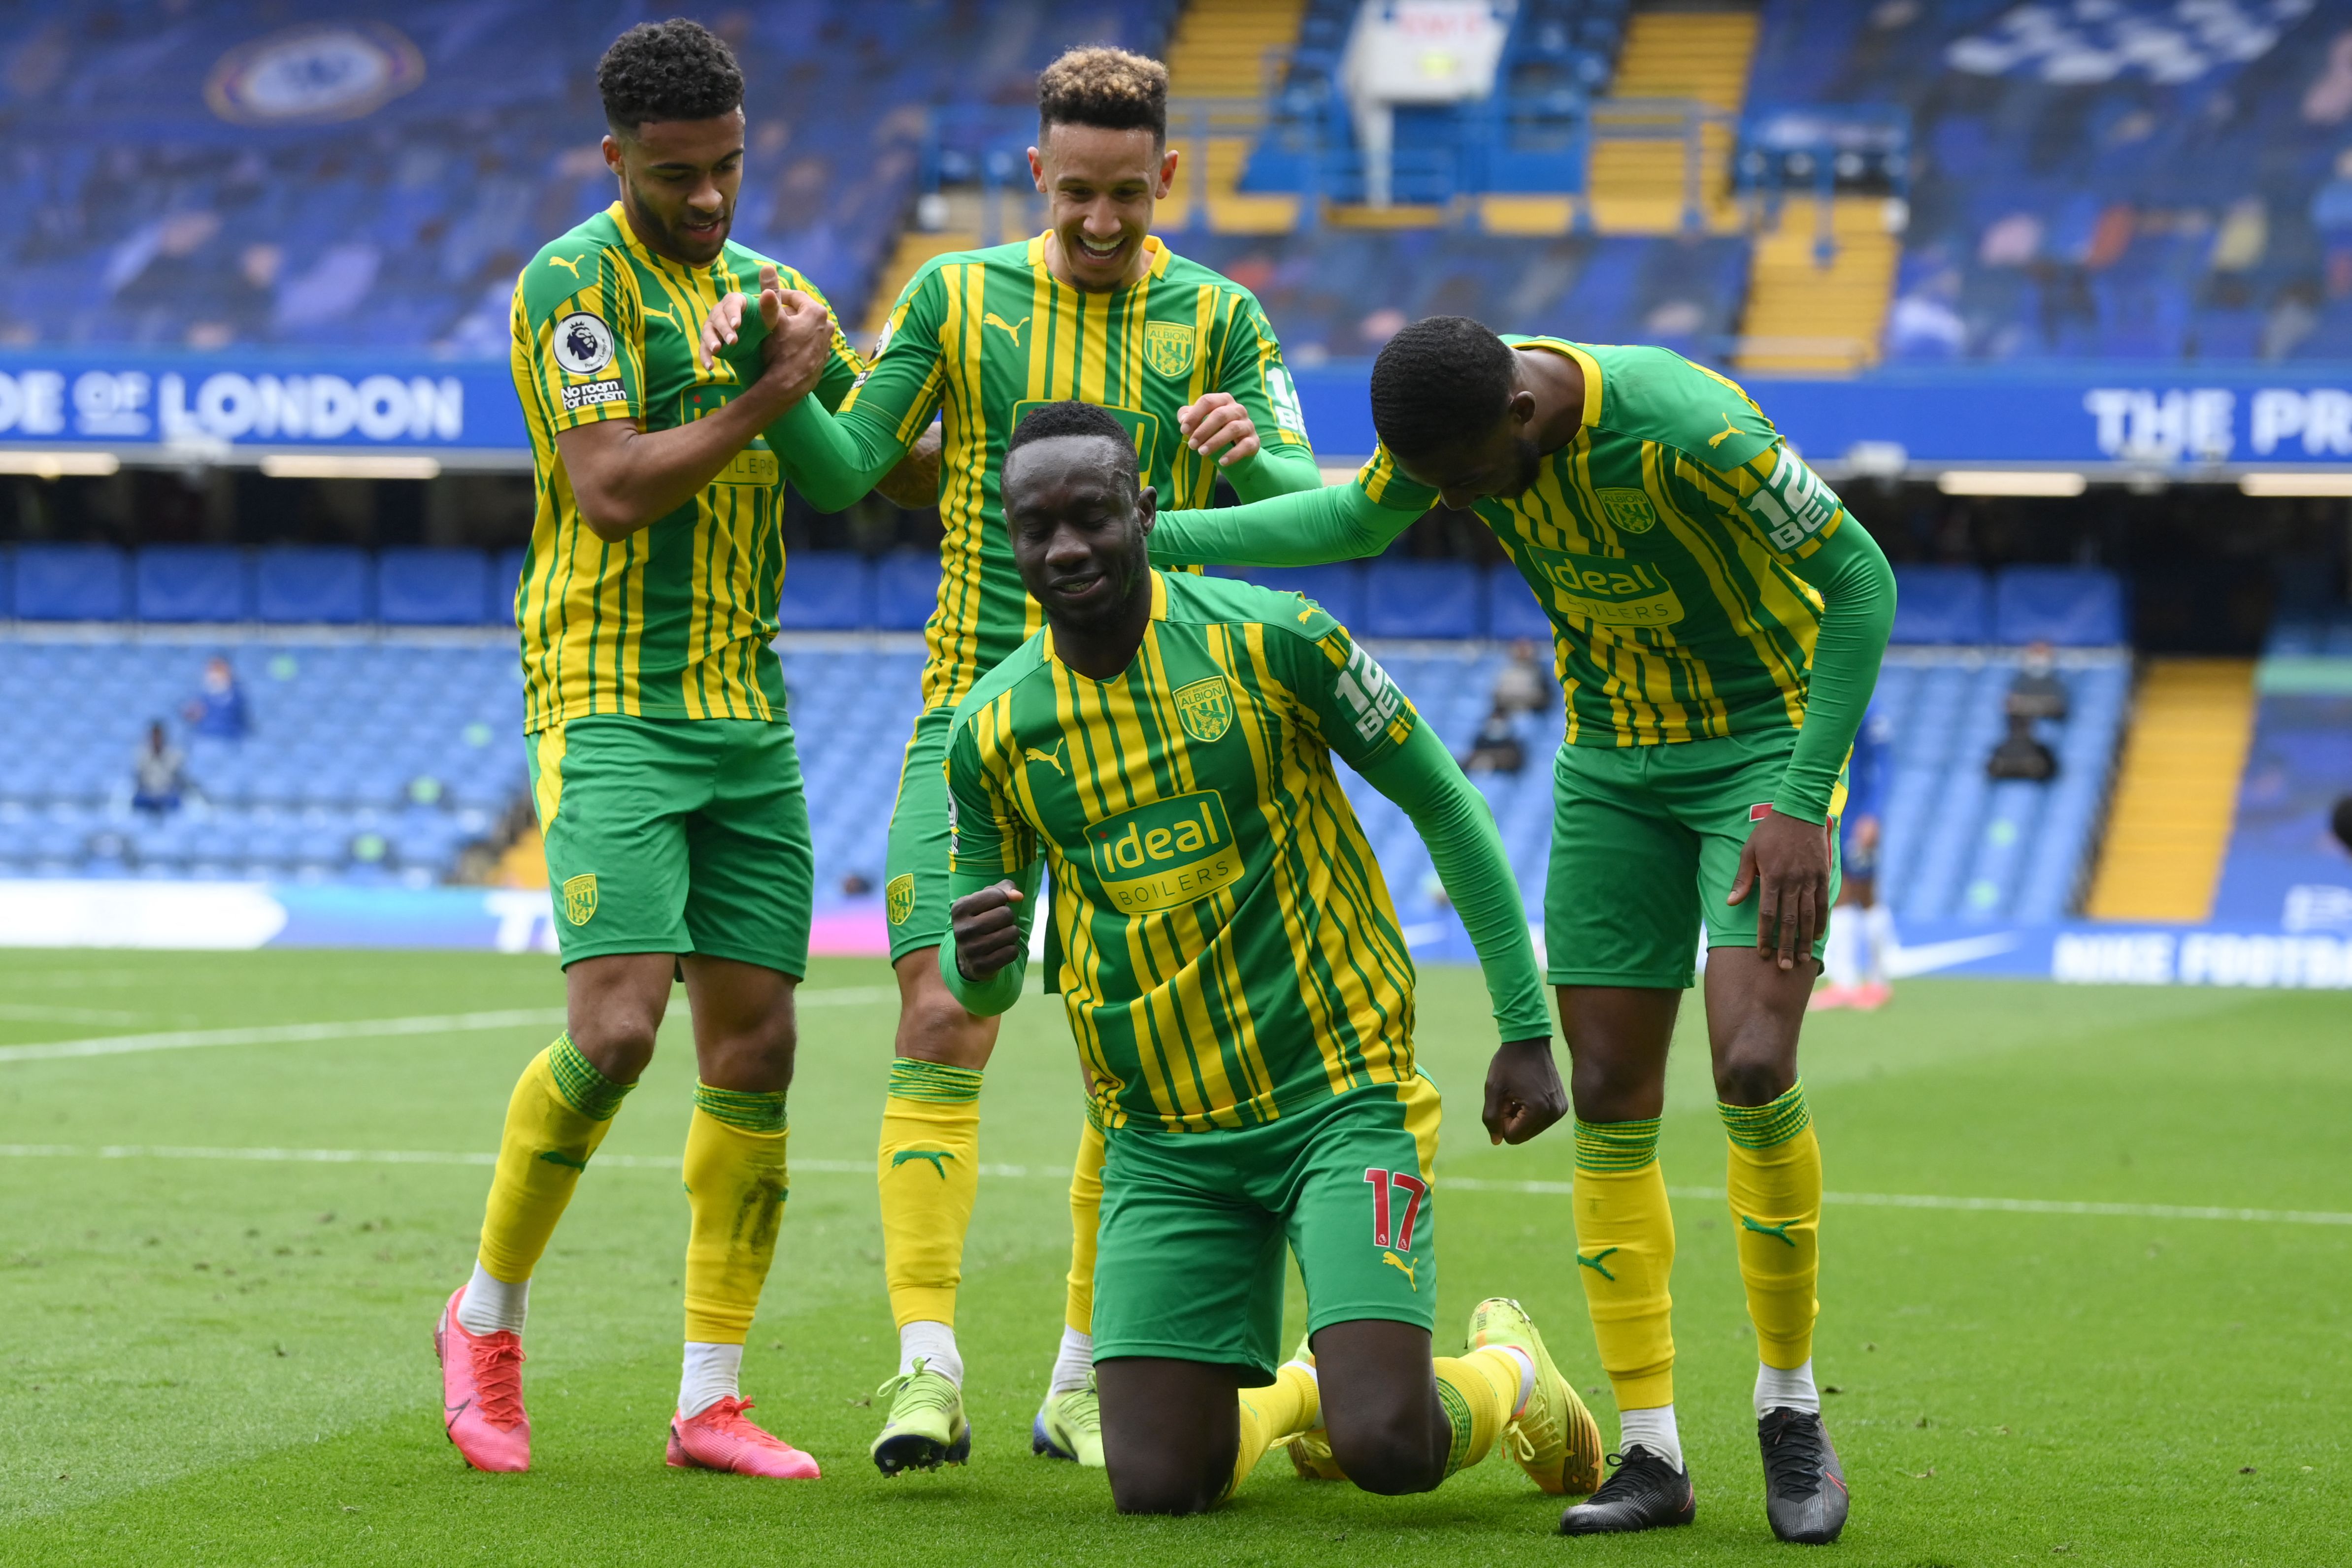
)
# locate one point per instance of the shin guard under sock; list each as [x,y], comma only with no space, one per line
[1625,1255]
[1290,1405]
[560,1111]
[736,1186]
[928,1170]
[1086,1218]
[1774,1189]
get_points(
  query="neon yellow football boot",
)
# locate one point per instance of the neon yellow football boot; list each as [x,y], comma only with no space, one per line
[1554,1439]
[926,1426]
[1069,1427]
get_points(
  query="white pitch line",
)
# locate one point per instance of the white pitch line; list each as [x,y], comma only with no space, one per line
[1051,1173]
[364,1029]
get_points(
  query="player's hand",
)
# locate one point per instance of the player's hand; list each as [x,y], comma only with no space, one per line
[1218,424]
[1523,1091]
[722,326]
[1786,862]
[800,337]
[987,928]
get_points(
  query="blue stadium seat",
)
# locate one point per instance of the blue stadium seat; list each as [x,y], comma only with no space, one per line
[2072,606]
[192,582]
[906,590]
[1940,604]
[1339,588]
[328,584]
[1424,599]
[827,591]
[431,587]
[506,576]
[71,582]
[1512,612]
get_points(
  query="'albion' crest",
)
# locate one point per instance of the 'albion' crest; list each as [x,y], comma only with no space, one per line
[1205,708]
[580,898]
[1629,510]
[898,898]
[1168,347]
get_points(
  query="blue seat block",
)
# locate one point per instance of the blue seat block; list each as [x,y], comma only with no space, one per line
[1339,588]
[192,582]
[432,586]
[906,590]
[827,591]
[1424,599]
[1512,612]
[330,584]
[71,583]
[1940,604]
[2072,606]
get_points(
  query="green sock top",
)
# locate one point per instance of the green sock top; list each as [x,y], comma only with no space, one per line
[1615,1148]
[935,1082]
[1775,1122]
[754,1111]
[583,1088]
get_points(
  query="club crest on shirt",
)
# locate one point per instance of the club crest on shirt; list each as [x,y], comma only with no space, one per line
[1205,708]
[580,898]
[898,898]
[1628,511]
[1168,347]
[583,344]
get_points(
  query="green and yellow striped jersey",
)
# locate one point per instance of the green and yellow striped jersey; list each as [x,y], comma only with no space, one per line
[1229,949]
[982,336]
[674,621]
[1663,542]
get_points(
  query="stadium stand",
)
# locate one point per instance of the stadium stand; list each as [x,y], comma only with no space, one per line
[174,188]
[2129,180]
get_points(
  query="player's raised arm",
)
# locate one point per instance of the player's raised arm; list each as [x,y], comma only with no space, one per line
[1335,522]
[1786,861]
[1368,721]
[1250,424]
[624,477]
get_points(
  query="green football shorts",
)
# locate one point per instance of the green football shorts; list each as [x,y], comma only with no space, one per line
[1188,1261]
[676,836]
[915,866]
[1646,842]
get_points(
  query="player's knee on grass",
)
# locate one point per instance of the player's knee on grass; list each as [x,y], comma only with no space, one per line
[1170,1430]
[1380,1405]
[932,1025]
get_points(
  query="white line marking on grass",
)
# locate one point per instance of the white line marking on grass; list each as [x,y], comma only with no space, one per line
[365,1029]
[1050,1172]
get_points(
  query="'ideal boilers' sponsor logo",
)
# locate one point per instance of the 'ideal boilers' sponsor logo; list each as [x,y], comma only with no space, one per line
[1165,854]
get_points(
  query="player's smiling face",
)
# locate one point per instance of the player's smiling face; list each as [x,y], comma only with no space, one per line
[1080,526]
[1100,187]
[679,183]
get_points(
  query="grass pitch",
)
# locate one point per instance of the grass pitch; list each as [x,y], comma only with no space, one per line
[211,1359]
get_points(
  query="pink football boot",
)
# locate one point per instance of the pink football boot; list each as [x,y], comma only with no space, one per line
[720,1438]
[481,1392]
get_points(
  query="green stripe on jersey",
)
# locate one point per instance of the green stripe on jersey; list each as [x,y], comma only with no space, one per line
[1229,949]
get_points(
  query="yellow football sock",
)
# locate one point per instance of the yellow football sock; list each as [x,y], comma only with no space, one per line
[929,1168]
[1479,1391]
[1086,1218]
[1775,1188]
[1624,1254]
[736,1186]
[560,1110]
[1290,1405]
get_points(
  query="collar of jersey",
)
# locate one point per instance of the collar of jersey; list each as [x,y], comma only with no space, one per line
[1158,612]
[1160,257]
[1584,361]
[620,216]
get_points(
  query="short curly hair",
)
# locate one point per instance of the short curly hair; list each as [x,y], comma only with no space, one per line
[1071,417]
[1109,88]
[1442,381]
[677,69]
